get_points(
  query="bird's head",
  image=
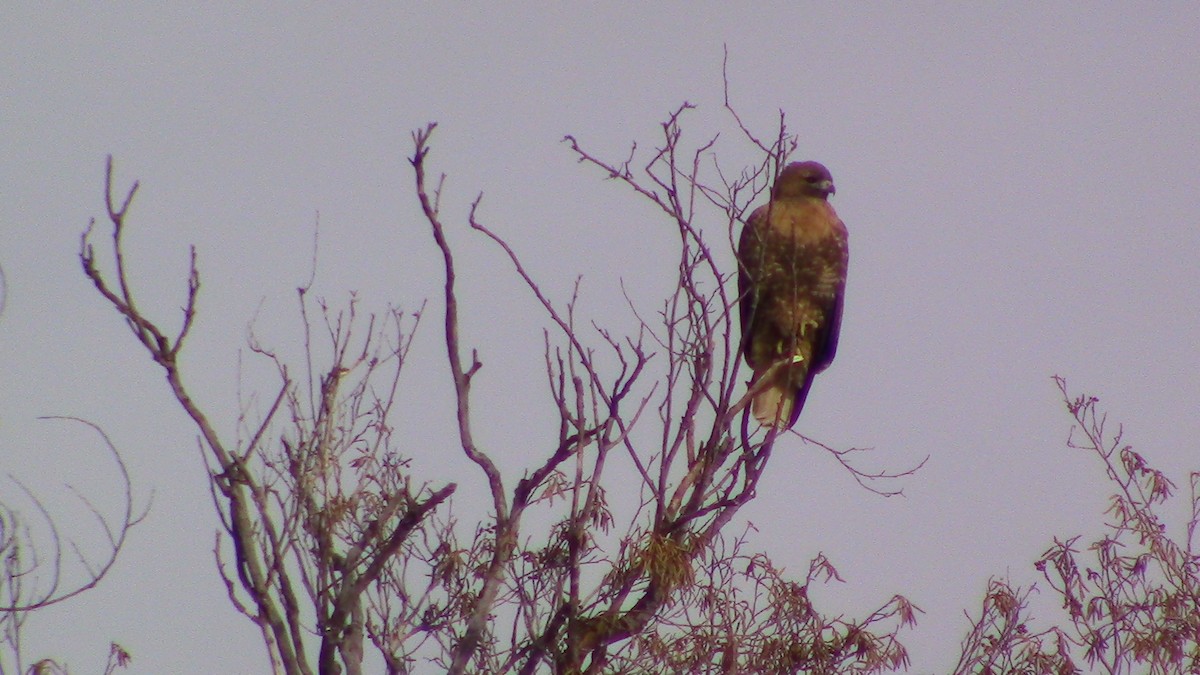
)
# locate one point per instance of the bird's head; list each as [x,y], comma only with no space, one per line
[804,179]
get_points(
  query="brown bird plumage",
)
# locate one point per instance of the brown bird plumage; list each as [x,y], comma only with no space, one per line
[793,256]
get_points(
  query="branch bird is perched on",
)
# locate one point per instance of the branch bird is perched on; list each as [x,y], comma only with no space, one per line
[792,260]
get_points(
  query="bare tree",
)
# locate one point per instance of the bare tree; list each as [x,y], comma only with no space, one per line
[36,570]
[317,508]
[697,466]
[330,544]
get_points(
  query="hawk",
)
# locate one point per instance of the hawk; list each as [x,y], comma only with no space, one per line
[792,260]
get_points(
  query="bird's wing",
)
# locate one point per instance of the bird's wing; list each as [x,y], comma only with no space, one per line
[749,263]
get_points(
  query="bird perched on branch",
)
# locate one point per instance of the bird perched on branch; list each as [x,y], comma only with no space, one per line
[792,260]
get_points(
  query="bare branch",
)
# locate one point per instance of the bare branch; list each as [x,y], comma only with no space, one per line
[117,533]
[461,375]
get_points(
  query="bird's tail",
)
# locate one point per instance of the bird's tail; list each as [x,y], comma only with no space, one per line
[781,400]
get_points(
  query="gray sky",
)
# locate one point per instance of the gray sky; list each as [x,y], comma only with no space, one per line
[1019,181]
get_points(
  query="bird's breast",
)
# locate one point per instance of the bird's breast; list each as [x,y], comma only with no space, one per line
[803,249]
[804,220]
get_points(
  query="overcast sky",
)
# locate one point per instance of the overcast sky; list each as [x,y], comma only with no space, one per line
[1020,183]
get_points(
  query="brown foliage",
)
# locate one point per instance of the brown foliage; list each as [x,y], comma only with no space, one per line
[1132,597]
